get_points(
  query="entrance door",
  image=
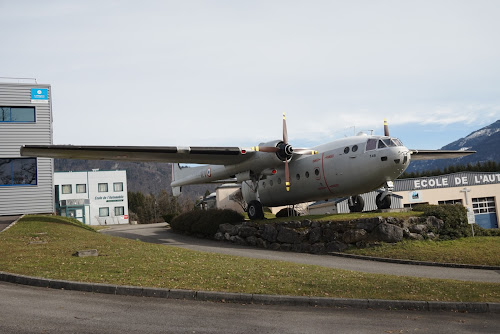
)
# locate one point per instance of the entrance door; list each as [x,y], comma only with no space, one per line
[485,212]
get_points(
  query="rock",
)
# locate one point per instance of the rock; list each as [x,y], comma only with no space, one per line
[269,233]
[252,240]
[285,247]
[415,236]
[305,223]
[219,236]
[336,246]
[318,248]
[406,232]
[85,253]
[291,236]
[229,228]
[369,224]
[353,236]
[329,234]
[247,231]
[275,246]
[431,235]
[387,233]
[239,240]
[315,224]
[419,228]
[315,235]
[261,243]
[435,223]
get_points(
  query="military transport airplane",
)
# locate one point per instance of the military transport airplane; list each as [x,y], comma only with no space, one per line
[275,173]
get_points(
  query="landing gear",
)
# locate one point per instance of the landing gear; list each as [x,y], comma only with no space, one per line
[356,203]
[383,203]
[255,210]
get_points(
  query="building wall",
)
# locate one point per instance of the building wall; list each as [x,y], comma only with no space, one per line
[110,199]
[224,195]
[23,199]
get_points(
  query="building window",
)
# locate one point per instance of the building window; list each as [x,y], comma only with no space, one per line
[451,201]
[18,172]
[119,211]
[483,205]
[67,189]
[17,114]
[118,186]
[103,187]
[81,188]
[103,212]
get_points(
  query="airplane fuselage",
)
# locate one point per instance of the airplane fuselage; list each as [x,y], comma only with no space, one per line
[344,167]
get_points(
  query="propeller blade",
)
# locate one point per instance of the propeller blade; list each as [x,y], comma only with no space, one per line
[304,151]
[386,128]
[285,132]
[287,176]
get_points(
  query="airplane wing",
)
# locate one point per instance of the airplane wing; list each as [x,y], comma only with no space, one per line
[181,154]
[438,154]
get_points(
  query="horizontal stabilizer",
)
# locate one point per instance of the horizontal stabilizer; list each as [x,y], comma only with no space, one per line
[438,154]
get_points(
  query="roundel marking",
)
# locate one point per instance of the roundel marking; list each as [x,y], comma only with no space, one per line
[209,172]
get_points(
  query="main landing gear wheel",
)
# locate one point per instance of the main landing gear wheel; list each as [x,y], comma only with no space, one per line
[255,210]
[384,203]
[357,204]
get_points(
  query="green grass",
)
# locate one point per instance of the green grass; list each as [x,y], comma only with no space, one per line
[477,251]
[129,262]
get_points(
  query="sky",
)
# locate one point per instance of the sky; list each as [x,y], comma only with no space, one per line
[221,73]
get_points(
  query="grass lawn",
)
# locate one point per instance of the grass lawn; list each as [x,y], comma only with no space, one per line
[43,246]
[342,216]
[476,250]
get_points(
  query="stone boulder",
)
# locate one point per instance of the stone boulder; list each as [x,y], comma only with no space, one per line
[291,236]
[336,246]
[247,231]
[387,233]
[419,228]
[229,229]
[435,223]
[269,233]
[353,236]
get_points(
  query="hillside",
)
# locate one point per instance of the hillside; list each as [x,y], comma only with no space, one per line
[485,141]
[146,177]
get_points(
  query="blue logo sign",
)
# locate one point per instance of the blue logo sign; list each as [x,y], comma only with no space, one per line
[39,95]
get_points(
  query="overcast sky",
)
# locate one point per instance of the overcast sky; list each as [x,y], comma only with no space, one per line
[221,73]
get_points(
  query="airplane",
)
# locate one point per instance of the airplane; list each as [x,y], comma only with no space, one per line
[275,173]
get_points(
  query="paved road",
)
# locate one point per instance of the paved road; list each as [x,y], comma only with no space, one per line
[158,233]
[6,221]
[28,309]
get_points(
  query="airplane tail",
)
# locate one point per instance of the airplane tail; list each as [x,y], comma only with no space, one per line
[176,175]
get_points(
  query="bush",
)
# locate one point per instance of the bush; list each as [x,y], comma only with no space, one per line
[286,212]
[454,218]
[205,222]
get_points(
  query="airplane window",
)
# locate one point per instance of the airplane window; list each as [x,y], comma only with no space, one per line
[355,148]
[307,174]
[279,181]
[316,171]
[298,176]
[381,144]
[397,142]
[388,142]
[271,183]
[264,184]
[371,144]
[346,150]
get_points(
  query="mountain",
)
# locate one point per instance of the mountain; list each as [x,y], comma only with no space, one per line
[485,141]
[146,177]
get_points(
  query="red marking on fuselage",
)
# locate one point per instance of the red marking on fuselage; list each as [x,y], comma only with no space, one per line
[329,156]
[323,168]
[316,160]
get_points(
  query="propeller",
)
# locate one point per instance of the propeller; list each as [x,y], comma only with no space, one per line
[285,152]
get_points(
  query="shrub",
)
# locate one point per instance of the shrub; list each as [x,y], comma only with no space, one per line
[454,218]
[205,222]
[286,212]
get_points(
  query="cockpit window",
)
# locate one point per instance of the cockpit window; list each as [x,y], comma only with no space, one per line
[381,144]
[388,142]
[397,142]
[371,144]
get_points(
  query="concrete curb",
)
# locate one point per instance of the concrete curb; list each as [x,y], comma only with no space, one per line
[245,298]
[12,224]
[413,262]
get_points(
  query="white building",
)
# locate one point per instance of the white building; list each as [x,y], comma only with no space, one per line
[94,198]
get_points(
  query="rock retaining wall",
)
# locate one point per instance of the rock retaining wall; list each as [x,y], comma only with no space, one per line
[329,236]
